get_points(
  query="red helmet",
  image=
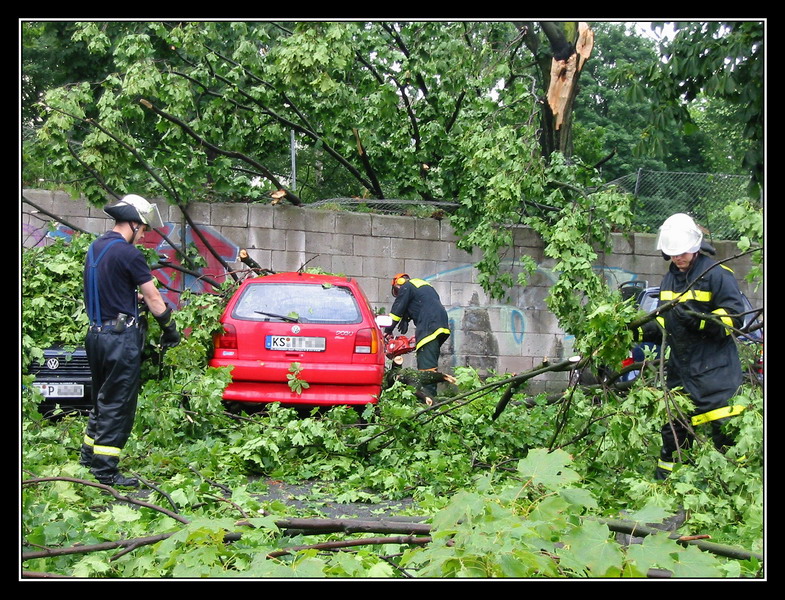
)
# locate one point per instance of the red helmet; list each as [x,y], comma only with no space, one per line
[398,281]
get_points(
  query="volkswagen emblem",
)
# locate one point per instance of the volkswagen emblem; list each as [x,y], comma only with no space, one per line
[295,329]
[52,363]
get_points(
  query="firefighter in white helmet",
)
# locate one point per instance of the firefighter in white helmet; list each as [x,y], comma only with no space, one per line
[116,274]
[703,360]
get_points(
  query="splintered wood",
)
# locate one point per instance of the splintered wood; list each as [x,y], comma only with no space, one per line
[564,74]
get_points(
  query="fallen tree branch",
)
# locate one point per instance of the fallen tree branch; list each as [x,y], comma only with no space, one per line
[337,545]
[566,365]
[312,526]
[291,526]
[109,489]
[463,399]
[410,532]
[635,528]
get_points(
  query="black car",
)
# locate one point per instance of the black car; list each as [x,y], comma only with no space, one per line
[63,379]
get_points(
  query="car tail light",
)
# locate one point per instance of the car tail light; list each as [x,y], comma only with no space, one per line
[227,339]
[760,362]
[366,341]
[627,362]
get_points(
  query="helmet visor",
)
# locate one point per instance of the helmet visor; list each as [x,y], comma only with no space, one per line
[152,218]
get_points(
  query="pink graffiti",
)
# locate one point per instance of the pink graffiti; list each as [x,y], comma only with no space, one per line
[173,280]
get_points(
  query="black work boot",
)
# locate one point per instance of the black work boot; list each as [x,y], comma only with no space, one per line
[104,469]
[119,480]
[661,474]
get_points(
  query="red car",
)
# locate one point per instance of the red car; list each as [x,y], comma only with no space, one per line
[301,339]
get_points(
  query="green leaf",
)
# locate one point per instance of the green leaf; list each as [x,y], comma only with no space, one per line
[122,513]
[579,497]
[460,507]
[549,469]
[651,513]
[591,547]
[655,552]
[695,563]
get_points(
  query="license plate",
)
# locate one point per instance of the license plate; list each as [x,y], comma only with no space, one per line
[61,390]
[294,343]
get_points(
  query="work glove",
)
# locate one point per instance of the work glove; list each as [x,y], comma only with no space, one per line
[403,326]
[713,327]
[685,319]
[170,336]
[650,331]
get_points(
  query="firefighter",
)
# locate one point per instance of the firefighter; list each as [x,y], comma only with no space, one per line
[115,275]
[704,361]
[418,301]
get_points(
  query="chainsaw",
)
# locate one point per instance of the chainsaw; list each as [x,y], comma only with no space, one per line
[397,346]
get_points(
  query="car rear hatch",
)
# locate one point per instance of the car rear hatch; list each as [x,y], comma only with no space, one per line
[318,333]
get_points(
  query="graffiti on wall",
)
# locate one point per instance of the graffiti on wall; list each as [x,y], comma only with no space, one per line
[40,235]
[172,280]
[485,329]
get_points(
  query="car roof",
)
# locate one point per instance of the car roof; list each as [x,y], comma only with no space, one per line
[302,277]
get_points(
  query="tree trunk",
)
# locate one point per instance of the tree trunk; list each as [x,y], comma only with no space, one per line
[570,47]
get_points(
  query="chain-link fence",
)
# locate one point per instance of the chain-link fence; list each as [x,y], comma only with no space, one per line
[389,206]
[704,196]
[658,194]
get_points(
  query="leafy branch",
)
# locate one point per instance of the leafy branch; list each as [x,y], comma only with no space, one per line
[412,532]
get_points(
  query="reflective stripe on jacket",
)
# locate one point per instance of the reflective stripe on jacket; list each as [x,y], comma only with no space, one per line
[419,301]
[705,364]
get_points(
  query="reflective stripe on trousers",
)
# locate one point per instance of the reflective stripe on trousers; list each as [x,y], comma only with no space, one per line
[718,413]
[106,450]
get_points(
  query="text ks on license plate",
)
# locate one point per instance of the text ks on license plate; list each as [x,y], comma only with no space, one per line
[294,342]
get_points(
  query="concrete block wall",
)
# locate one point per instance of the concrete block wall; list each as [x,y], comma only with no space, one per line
[509,336]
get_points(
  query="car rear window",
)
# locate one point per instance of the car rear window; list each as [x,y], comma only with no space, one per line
[307,303]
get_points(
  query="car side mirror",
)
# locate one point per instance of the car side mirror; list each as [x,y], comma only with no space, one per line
[384,321]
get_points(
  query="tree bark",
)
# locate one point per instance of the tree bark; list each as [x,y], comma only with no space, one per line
[559,72]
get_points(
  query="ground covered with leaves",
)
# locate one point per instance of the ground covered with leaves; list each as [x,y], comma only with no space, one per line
[546,487]
[538,492]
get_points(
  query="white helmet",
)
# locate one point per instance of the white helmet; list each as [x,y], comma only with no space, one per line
[133,208]
[679,234]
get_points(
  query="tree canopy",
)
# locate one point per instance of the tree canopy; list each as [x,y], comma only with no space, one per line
[478,113]
[717,60]
[459,111]
[377,109]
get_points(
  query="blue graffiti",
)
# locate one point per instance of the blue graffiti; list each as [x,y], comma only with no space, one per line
[516,317]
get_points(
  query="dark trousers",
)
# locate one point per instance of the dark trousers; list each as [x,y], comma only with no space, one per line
[676,436]
[115,364]
[428,360]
